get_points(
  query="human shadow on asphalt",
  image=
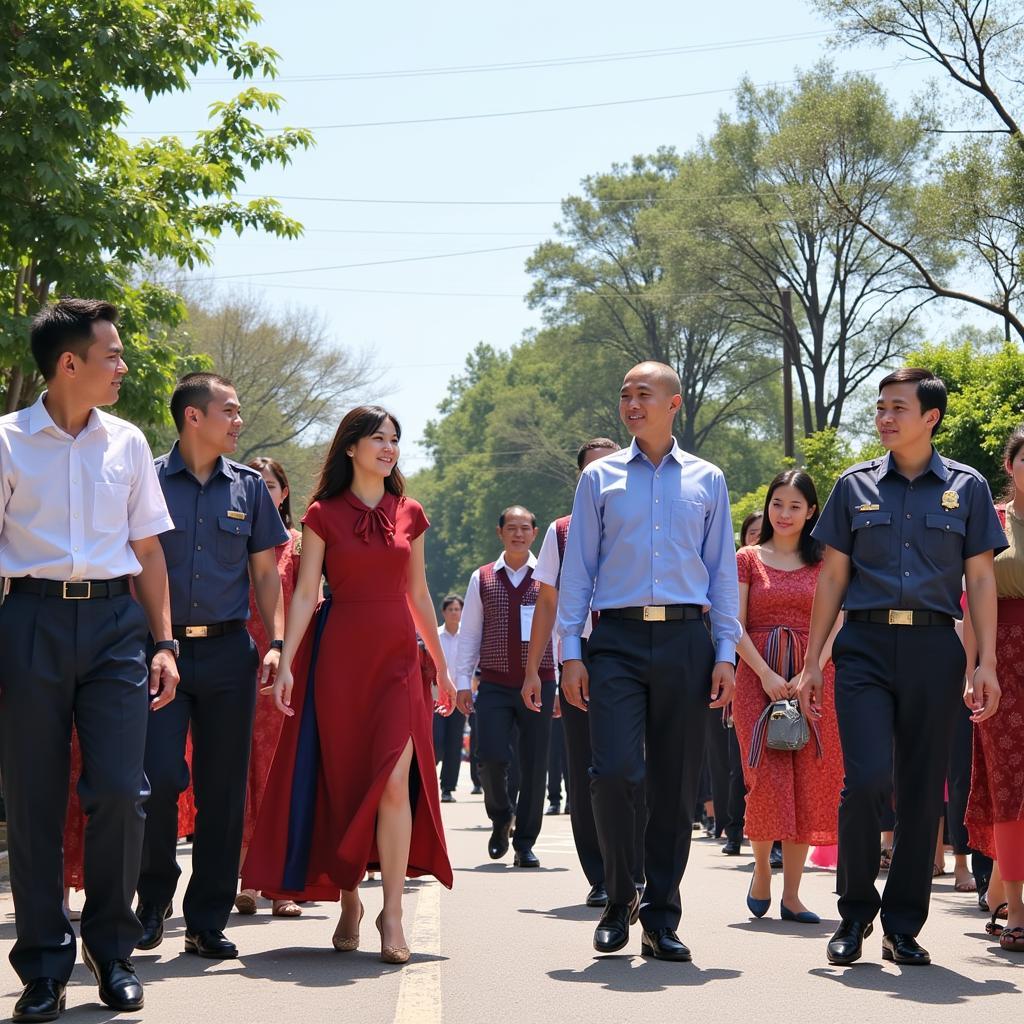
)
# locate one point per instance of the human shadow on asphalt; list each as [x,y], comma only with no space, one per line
[623,973]
[792,929]
[509,868]
[934,985]
[576,912]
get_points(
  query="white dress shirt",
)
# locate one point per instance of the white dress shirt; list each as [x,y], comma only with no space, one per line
[449,646]
[471,628]
[70,505]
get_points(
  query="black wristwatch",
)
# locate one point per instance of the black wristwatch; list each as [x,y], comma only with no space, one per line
[277,645]
[168,645]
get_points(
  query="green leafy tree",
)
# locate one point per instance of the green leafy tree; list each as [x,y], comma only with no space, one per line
[83,210]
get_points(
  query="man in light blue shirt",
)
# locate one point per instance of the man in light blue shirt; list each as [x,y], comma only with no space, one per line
[650,547]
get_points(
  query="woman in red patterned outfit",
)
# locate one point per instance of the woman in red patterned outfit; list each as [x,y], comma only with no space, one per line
[266,730]
[792,796]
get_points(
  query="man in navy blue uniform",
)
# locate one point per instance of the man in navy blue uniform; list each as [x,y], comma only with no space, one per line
[902,532]
[225,531]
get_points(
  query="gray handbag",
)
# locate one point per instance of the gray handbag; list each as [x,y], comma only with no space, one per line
[787,727]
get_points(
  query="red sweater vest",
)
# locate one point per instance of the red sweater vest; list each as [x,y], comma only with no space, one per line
[502,648]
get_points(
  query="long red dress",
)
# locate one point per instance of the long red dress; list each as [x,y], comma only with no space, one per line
[358,698]
[790,796]
[266,727]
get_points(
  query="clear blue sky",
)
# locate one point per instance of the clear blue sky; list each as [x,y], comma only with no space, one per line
[421,340]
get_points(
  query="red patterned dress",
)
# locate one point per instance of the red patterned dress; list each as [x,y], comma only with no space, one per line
[995,809]
[790,796]
[266,729]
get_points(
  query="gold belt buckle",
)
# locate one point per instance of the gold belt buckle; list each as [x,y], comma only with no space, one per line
[654,613]
[898,617]
[196,631]
[77,583]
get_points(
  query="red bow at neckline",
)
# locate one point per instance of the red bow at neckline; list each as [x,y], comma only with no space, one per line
[372,519]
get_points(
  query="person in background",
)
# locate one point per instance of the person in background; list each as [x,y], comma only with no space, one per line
[266,730]
[449,729]
[790,794]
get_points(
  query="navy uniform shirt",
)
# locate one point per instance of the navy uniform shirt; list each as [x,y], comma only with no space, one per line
[217,526]
[908,539]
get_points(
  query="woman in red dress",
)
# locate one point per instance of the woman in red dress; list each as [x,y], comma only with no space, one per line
[792,796]
[995,808]
[266,730]
[353,784]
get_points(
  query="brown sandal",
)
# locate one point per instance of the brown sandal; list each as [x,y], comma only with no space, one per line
[286,908]
[993,928]
[245,902]
[1012,940]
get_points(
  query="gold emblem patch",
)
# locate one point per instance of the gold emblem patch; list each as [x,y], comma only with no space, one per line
[950,500]
[868,507]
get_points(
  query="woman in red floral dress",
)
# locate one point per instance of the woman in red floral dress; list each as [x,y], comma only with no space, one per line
[266,730]
[792,796]
[995,808]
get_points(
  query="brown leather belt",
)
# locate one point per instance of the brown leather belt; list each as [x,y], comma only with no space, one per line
[900,617]
[71,590]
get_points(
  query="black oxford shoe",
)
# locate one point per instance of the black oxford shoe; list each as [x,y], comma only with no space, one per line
[210,943]
[846,946]
[497,845]
[120,989]
[598,896]
[905,950]
[526,859]
[663,944]
[151,917]
[42,999]
[731,847]
[612,931]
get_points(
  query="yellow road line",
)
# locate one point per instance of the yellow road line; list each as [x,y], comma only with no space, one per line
[419,996]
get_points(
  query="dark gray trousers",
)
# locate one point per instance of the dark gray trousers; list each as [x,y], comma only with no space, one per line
[649,686]
[82,662]
[217,697]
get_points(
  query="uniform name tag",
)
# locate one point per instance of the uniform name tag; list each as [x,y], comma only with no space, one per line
[525,621]
[868,507]
[232,514]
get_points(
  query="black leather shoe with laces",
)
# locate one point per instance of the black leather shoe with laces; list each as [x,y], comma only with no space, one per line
[846,946]
[120,988]
[210,943]
[42,999]
[904,950]
[663,944]
[612,931]
[151,917]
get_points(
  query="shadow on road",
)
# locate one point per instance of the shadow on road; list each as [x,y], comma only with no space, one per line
[935,985]
[623,973]
[787,928]
[575,912]
[500,869]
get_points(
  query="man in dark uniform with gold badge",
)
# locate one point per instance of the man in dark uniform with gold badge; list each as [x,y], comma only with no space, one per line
[902,532]
[225,530]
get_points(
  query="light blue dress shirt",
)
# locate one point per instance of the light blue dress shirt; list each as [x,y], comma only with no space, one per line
[650,535]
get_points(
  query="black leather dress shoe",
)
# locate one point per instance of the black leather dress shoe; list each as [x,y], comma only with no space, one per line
[151,917]
[905,950]
[775,857]
[42,999]
[526,859]
[731,847]
[663,944]
[211,944]
[447,797]
[120,989]
[477,790]
[612,931]
[554,808]
[846,945]
[598,896]
[497,845]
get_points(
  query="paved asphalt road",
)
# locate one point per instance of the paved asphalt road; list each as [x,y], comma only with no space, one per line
[512,945]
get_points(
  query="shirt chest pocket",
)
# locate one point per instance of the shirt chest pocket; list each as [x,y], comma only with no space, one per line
[872,537]
[686,523]
[232,539]
[110,507]
[944,537]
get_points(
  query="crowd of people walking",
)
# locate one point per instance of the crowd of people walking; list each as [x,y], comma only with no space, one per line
[196,665]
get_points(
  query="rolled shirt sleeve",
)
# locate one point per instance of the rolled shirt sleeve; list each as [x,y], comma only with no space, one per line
[579,567]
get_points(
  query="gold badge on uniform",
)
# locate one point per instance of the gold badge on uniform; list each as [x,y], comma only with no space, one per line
[232,514]
[868,507]
[950,500]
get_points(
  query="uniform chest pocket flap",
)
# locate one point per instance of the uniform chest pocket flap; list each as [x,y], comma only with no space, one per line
[232,539]
[872,535]
[943,536]
[110,506]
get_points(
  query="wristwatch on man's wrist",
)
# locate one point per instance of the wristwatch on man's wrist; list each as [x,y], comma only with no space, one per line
[168,645]
[277,645]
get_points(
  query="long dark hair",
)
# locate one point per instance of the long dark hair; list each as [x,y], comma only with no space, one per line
[262,462]
[336,475]
[811,551]
[1014,443]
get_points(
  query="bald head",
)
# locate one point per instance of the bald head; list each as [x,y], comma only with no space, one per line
[659,376]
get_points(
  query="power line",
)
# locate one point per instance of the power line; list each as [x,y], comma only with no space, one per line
[372,263]
[388,291]
[526,65]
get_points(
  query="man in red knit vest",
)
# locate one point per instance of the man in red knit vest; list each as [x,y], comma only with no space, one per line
[495,633]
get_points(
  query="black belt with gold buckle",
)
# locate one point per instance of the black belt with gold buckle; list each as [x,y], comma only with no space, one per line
[210,630]
[656,612]
[71,590]
[900,617]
